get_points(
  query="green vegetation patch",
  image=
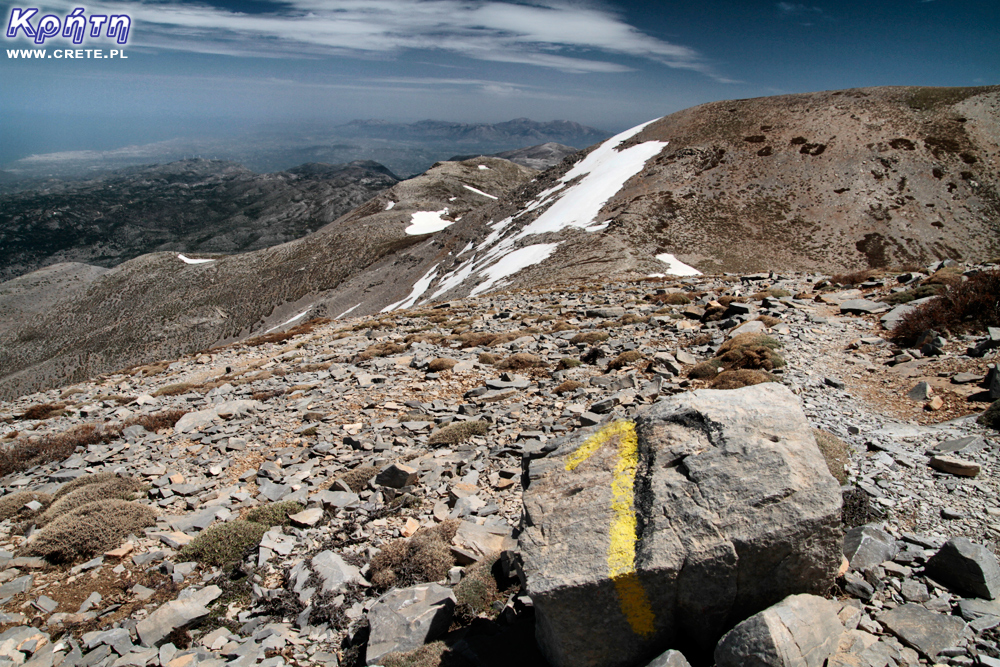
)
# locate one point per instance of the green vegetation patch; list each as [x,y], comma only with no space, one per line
[89,530]
[423,558]
[457,432]
[224,543]
[274,514]
[835,452]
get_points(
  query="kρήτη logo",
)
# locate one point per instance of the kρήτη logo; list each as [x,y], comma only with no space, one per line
[75,25]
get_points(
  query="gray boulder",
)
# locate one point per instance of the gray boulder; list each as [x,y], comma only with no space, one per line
[924,630]
[867,546]
[176,614]
[405,618]
[799,631]
[721,506]
[969,568]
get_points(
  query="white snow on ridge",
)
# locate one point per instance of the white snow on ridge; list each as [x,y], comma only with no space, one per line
[676,267]
[479,192]
[418,289]
[466,249]
[389,205]
[289,321]
[604,173]
[513,262]
[483,167]
[428,222]
[351,309]
[188,260]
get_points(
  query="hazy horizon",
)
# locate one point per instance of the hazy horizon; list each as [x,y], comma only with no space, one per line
[221,68]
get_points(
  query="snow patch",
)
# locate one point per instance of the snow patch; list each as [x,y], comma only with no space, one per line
[513,262]
[289,321]
[388,207]
[483,167]
[479,192]
[188,260]
[351,309]
[604,173]
[466,249]
[418,289]
[428,222]
[676,267]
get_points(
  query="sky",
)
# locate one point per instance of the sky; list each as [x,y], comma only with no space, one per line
[211,67]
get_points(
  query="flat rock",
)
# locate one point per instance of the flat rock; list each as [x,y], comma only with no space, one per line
[955,466]
[866,547]
[968,568]
[801,630]
[926,631]
[862,307]
[333,571]
[738,511]
[966,445]
[396,476]
[406,618]
[176,614]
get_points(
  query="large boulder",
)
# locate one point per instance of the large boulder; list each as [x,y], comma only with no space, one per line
[405,618]
[667,531]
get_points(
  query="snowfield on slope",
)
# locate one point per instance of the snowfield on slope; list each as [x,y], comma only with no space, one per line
[428,222]
[676,267]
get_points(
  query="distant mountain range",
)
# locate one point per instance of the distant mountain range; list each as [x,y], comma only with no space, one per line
[406,149]
[190,206]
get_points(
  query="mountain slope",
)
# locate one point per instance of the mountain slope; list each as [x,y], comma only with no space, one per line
[191,206]
[158,305]
[816,182]
[538,157]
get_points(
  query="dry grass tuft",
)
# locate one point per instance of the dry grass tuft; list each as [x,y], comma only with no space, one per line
[224,543]
[357,479]
[741,378]
[567,387]
[966,307]
[520,361]
[116,488]
[81,481]
[854,278]
[43,411]
[488,358]
[745,351]
[13,504]
[672,299]
[589,338]
[835,451]
[569,362]
[89,530]
[381,350]
[441,364]
[768,320]
[304,328]
[176,389]
[425,557]
[457,432]
[624,359]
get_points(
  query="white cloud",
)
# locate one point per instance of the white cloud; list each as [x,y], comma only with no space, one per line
[569,37]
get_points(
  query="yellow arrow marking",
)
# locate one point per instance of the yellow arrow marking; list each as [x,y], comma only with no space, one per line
[621,551]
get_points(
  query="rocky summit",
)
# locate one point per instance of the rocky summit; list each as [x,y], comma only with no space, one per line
[712,469]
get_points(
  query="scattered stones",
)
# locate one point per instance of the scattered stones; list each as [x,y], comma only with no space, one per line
[955,466]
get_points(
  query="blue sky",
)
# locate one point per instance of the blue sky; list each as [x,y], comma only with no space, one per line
[201,68]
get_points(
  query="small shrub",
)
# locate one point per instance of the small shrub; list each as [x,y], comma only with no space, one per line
[835,453]
[948,276]
[280,337]
[423,558]
[631,318]
[27,452]
[857,509]
[435,654]
[520,361]
[457,432]
[706,370]
[382,350]
[906,296]
[969,306]
[83,480]
[567,387]
[488,358]
[854,278]
[43,411]
[744,351]
[155,421]
[117,488]
[991,417]
[741,378]
[569,362]
[778,293]
[266,395]
[274,514]
[89,530]
[768,320]
[224,543]
[441,364]
[624,359]
[357,479]
[13,505]
[477,591]
[589,338]
[672,299]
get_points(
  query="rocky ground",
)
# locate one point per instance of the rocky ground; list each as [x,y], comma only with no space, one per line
[415,424]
